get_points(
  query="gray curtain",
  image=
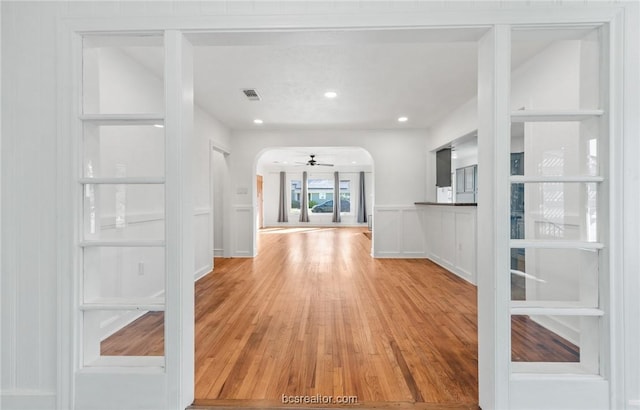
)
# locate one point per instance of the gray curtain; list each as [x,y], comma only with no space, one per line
[283,215]
[336,197]
[304,203]
[362,202]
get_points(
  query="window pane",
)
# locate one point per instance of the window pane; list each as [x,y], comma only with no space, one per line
[124,273]
[563,275]
[555,148]
[115,81]
[109,333]
[296,191]
[555,344]
[538,338]
[320,195]
[345,196]
[123,151]
[123,211]
[555,68]
[563,211]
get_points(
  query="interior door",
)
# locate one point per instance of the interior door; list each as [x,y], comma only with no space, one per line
[135,252]
[259,184]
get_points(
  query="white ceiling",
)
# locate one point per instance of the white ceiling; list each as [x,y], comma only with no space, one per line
[339,156]
[376,83]
[378,75]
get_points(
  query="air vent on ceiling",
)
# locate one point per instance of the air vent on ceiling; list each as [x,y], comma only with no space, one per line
[251,94]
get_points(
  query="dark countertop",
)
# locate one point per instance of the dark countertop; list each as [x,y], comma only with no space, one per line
[445,204]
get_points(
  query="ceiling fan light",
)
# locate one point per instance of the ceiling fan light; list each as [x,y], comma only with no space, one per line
[403,119]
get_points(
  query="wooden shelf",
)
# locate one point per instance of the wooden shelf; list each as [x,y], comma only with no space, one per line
[554,115]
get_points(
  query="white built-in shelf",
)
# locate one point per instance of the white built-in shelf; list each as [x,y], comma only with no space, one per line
[123,180]
[125,362]
[539,308]
[518,179]
[156,304]
[124,243]
[554,115]
[123,119]
[559,244]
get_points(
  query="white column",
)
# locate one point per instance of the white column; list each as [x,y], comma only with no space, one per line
[179,314]
[494,339]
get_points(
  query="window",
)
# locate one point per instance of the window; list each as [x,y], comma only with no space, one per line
[296,192]
[320,195]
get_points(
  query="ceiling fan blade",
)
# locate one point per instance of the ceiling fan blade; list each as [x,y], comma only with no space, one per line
[301,163]
[325,165]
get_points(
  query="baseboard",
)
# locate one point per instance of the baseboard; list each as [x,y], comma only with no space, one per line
[27,400]
[218,253]
[558,327]
[399,255]
[203,271]
[453,269]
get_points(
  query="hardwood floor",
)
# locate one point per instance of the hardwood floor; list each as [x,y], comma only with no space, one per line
[314,314]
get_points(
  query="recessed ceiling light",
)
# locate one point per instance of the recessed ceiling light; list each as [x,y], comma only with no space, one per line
[257,121]
[403,119]
[353,162]
[285,162]
[330,94]
[158,125]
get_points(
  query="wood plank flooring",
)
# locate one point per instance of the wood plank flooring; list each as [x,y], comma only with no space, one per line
[314,314]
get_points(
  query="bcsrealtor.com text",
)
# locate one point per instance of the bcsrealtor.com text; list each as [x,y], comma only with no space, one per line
[319,399]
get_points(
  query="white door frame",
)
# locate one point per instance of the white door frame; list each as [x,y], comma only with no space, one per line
[493,306]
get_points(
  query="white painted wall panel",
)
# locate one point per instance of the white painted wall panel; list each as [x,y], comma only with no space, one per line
[398,232]
[465,226]
[412,233]
[451,238]
[387,228]
[244,224]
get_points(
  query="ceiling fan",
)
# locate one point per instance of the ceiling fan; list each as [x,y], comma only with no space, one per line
[312,162]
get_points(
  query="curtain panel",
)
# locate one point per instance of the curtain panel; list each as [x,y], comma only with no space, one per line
[304,203]
[336,197]
[283,215]
[362,202]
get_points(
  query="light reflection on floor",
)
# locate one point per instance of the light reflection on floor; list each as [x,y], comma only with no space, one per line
[287,230]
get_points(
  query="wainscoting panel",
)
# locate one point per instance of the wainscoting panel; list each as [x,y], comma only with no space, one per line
[243,234]
[412,234]
[203,240]
[398,232]
[450,234]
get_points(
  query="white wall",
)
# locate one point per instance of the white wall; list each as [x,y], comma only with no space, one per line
[398,163]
